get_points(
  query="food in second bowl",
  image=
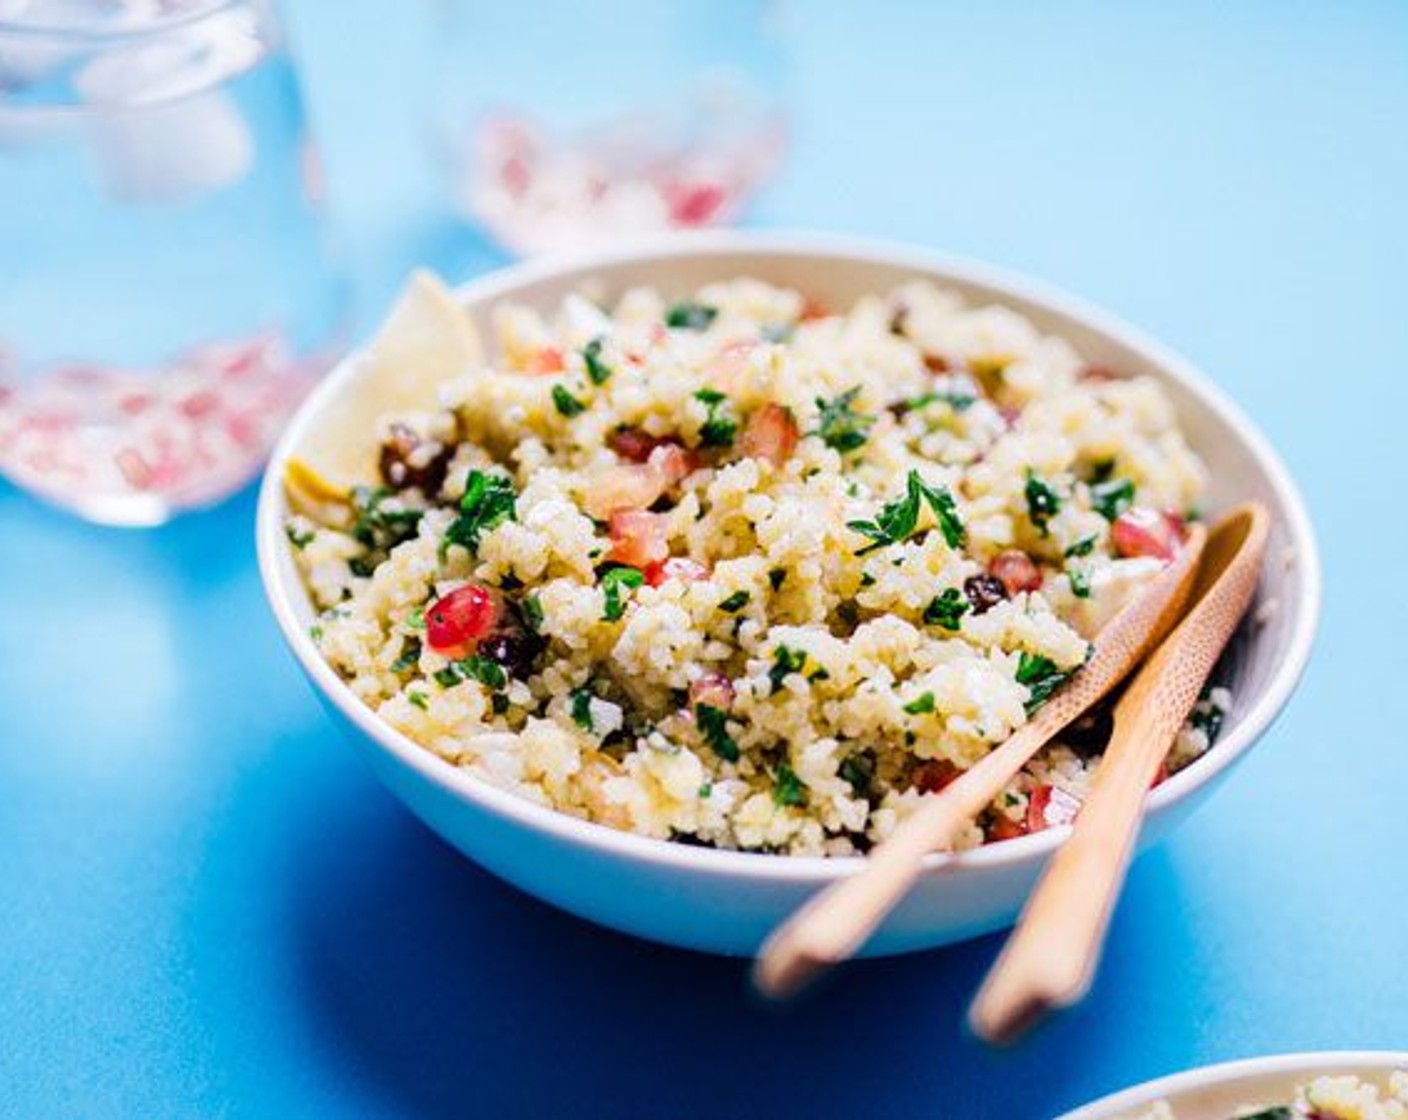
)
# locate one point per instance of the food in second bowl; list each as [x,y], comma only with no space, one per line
[734,569]
[1324,1098]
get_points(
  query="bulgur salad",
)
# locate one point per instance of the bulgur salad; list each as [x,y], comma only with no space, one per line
[735,569]
[1323,1098]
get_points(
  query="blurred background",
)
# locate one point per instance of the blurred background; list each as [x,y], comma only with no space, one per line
[210,911]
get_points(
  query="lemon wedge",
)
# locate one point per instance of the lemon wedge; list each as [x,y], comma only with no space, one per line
[426,340]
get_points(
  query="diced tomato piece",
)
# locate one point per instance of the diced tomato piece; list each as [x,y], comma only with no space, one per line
[638,538]
[681,568]
[814,309]
[454,623]
[627,486]
[1050,806]
[1005,828]
[1142,531]
[673,463]
[1017,571]
[934,774]
[546,360]
[771,434]
[633,444]
[714,689]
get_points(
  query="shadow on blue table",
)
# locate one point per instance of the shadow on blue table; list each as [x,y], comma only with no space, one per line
[462,996]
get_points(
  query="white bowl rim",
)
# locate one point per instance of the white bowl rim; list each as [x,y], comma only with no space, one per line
[669,854]
[1307,1064]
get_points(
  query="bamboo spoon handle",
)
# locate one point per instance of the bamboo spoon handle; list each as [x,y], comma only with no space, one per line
[831,926]
[1050,960]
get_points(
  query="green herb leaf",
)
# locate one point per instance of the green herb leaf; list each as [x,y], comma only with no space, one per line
[841,427]
[787,788]
[959,402]
[922,703]
[946,609]
[1083,547]
[409,657]
[582,708]
[718,430]
[299,538]
[897,520]
[784,662]
[690,316]
[489,500]
[378,525]
[1043,503]
[1080,580]
[419,699]
[1041,676]
[859,770]
[1112,498]
[485,670]
[735,602]
[713,725]
[416,620]
[597,369]
[566,403]
[616,584]
[531,608]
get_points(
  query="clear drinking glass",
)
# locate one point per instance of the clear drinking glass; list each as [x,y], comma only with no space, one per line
[569,123]
[166,289]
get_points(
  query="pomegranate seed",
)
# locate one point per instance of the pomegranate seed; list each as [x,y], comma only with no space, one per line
[455,622]
[1050,806]
[934,774]
[771,434]
[1016,571]
[1142,531]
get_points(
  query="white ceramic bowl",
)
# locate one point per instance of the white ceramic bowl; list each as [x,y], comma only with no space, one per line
[726,902]
[1216,1092]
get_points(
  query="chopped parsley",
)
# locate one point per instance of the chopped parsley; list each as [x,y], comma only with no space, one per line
[488,501]
[378,527]
[597,369]
[690,316]
[531,608]
[582,708]
[946,608]
[566,403]
[1079,576]
[410,655]
[735,602]
[859,771]
[416,620]
[1041,676]
[896,520]
[1083,547]
[922,703]
[713,725]
[616,584]
[1042,502]
[419,699]
[299,538]
[956,400]
[785,662]
[787,788]
[1112,498]
[485,670]
[839,426]
[717,430]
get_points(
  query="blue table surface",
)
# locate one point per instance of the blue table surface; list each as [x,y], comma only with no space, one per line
[208,907]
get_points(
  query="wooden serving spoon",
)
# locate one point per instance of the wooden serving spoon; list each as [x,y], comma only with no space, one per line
[830,927]
[1050,960]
